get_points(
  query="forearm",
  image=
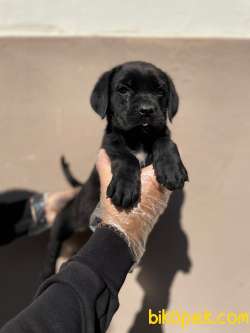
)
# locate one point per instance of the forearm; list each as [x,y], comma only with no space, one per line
[26,212]
[15,215]
[83,296]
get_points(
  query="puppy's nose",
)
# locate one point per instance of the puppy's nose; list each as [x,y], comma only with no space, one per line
[146,109]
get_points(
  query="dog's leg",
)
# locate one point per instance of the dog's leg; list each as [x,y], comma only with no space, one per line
[168,166]
[53,252]
[61,230]
[73,218]
[71,246]
[124,188]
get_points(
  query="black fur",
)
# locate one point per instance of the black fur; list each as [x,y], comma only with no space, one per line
[137,98]
[68,175]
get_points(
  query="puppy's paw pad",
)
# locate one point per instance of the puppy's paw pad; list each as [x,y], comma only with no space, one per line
[123,193]
[171,176]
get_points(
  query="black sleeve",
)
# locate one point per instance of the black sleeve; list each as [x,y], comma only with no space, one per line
[15,215]
[83,296]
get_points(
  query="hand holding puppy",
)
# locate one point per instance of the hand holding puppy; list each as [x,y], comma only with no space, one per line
[136,224]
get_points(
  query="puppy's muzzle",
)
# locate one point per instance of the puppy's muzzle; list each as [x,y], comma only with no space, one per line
[146,109]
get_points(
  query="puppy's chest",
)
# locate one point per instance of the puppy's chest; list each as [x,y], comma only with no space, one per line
[143,156]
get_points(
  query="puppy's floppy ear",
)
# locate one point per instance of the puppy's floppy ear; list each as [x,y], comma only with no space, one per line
[99,99]
[173,100]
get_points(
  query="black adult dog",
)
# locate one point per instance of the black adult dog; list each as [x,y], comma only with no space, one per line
[138,99]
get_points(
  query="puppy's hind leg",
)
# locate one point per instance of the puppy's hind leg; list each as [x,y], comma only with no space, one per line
[53,252]
[74,218]
[71,246]
[61,230]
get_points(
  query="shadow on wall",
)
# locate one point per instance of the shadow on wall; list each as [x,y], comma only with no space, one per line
[167,253]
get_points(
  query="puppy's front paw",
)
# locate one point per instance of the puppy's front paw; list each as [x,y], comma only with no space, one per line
[124,192]
[170,174]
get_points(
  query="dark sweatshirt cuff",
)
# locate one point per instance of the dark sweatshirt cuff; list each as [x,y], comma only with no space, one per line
[108,255]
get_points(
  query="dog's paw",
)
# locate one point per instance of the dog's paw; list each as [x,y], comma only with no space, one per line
[171,175]
[123,192]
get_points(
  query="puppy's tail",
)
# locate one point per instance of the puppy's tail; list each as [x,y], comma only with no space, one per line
[68,175]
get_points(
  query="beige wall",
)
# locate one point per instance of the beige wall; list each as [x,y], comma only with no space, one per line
[44,112]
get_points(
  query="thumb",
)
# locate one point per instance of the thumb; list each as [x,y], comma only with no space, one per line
[103,167]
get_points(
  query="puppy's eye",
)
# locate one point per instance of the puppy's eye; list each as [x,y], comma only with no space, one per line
[161,91]
[123,90]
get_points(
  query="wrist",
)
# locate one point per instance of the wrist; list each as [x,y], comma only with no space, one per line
[129,227]
[38,213]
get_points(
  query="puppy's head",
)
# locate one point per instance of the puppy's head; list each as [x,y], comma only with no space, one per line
[135,94]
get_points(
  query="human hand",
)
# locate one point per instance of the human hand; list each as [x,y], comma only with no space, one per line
[136,224]
[56,201]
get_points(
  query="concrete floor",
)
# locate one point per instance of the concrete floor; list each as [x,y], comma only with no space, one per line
[198,255]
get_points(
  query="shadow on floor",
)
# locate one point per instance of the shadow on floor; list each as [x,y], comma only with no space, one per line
[167,253]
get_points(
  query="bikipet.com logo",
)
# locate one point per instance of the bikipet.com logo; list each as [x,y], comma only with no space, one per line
[185,319]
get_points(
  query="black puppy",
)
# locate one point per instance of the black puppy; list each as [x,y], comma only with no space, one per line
[137,98]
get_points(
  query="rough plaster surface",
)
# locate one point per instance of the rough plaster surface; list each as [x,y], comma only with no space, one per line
[44,112]
[193,18]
